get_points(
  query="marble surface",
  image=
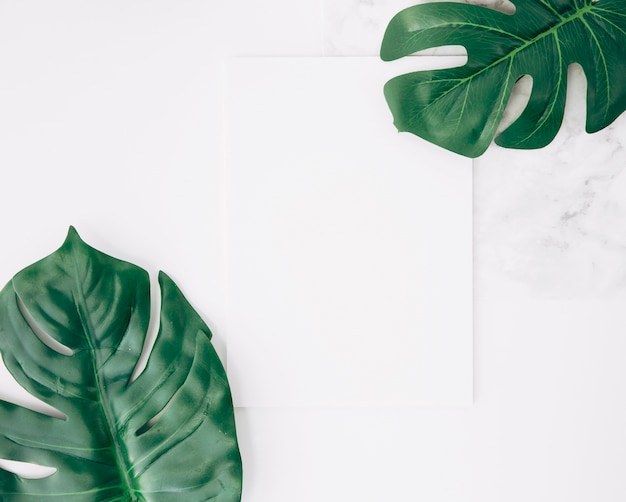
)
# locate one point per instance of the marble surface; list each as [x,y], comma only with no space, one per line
[547,223]
[273,28]
[551,223]
[548,417]
[547,423]
[550,281]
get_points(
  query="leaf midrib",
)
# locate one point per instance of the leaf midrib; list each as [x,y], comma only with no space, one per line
[121,462]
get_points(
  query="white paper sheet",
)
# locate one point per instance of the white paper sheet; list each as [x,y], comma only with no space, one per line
[349,245]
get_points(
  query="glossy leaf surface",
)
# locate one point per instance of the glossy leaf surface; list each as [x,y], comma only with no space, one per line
[460,108]
[168,435]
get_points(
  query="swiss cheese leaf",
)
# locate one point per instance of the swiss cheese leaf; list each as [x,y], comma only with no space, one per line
[166,435]
[460,108]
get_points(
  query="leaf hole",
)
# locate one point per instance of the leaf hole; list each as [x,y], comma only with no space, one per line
[504,6]
[153,327]
[445,50]
[575,117]
[13,392]
[520,95]
[27,470]
[151,423]
[41,334]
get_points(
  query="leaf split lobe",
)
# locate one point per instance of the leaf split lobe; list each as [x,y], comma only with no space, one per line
[540,39]
[99,308]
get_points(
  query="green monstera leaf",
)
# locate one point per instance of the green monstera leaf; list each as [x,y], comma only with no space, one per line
[166,435]
[460,108]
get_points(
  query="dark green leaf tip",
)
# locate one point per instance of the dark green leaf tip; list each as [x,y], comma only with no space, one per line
[72,231]
[73,239]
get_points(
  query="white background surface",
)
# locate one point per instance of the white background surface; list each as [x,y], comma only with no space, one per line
[548,419]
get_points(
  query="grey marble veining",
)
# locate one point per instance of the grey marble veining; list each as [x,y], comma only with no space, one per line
[552,222]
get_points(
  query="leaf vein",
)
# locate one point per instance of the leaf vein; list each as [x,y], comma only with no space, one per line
[510,56]
[604,65]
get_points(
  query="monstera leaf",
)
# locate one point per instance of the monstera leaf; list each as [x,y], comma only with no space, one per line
[166,435]
[460,108]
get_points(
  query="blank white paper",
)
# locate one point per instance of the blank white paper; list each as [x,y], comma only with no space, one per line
[349,245]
